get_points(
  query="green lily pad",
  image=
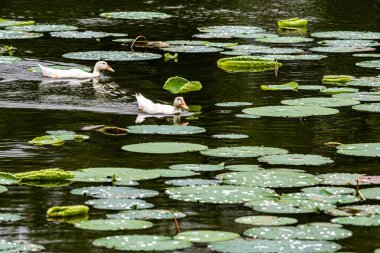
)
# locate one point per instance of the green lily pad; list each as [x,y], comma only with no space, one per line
[114,192]
[81,35]
[38,69]
[220,44]
[47,140]
[367,221]
[112,56]
[253,49]
[231,29]
[329,190]
[320,101]
[300,232]
[19,246]
[285,86]
[45,175]
[246,64]
[270,246]
[119,204]
[286,111]
[67,211]
[310,87]
[360,149]
[295,159]
[340,178]
[341,49]
[365,82]
[295,57]
[320,197]
[181,85]
[331,91]
[367,55]
[42,28]
[272,178]
[336,79]
[284,40]
[9,59]
[175,173]
[137,15]
[230,136]
[187,42]
[9,217]
[349,43]
[361,96]
[244,167]
[219,194]
[165,129]
[109,174]
[235,53]
[233,104]
[7,23]
[265,220]
[371,193]
[369,64]
[206,236]
[192,182]
[3,189]
[151,214]
[372,107]
[163,147]
[348,35]
[67,135]
[247,116]
[113,224]
[47,184]
[292,22]
[123,40]
[198,167]
[192,49]
[141,243]
[12,35]
[8,179]
[356,210]
[243,151]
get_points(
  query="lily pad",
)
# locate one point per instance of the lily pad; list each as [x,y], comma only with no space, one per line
[294,57]
[233,104]
[119,204]
[38,69]
[243,151]
[112,56]
[231,29]
[141,243]
[3,189]
[137,15]
[328,190]
[206,236]
[292,22]
[8,179]
[340,178]
[7,23]
[165,129]
[285,40]
[219,194]
[336,79]
[365,82]
[319,197]
[348,35]
[290,111]
[187,42]
[230,136]
[192,182]
[114,192]
[270,246]
[235,53]
[19,246]
[244,167]
[246,64]
[361,96]
[13,35]
[181,85]
[9,217]
[372,107]
[198,167]
[113,224]
[310,87]
[331,91]
[67,211]
[301,232]
[360,149]
[175,173]
[253,49]
[295,159]
[163,147]
[247,116]
[341,49]
[47,140]
[371,193]
[285,86]
[151,214]
[81,35]
[265,220]
[192,49]
[123,40]
[356,210]
[367,221]
[349,43]
[43,28]
[9,59]
[369,64]
[67,135]
[320,102]
[45,175]
[374,55]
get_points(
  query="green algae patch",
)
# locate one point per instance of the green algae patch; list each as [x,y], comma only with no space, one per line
[67,211]
[246,64]
[286,86]
[45,175]
[292,22]
[181,85]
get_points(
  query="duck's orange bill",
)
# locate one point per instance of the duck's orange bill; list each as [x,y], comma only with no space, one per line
[184,105]
[110,69]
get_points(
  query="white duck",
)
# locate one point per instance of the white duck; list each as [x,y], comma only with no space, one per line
[147,106]
[75,73]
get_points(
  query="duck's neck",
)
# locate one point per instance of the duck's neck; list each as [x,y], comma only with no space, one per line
[96,72]
[176,110]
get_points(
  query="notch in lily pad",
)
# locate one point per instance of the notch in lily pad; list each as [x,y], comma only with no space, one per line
[181,85]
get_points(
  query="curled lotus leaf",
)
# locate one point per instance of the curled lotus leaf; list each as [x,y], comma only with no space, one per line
[119,204]
[135,15]
[233,104]
[181,85]
[265,220]
[43,28]
[294,57]
[230,136]
[295,159]
[243,151]
[361,96]
[149,214]
[147,243]
[371,193]
[206,236]
[67,211]
[12,35]
[365,82]
[246,64]
[81,35]
[165,129]
[192,49]
[244,167]
[47,140]
[360,149]
[112,56]
[367,221]
[286,111]
[3,189]
[285,86]
[292,22]
[320,102]
[337,90]
[8,179]
[113,224]
[198,167]
[356,210]
[350,43]
[269,246]
[340,178]
[372,107]
[19,246]
[9,59]
[114,192]
[310,87]
[175,173]
[285,40]
[341,49]
[45,175]
[9,217]
[369,64]
[163,147]
[38,69]
[7,23]
[332,79]
[192,182]
[347,35]
[328,190]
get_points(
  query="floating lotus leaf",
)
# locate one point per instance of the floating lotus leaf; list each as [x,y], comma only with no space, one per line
[47,184]
[165,129]
[123,40]
[219,194]
[9,217]
[38,69]
[231,29]
[163,147]
[255,35]
[8,178]
[119,204]
[360,149]
[340,178]
[286,111]
[214,35]
[9,59]
[175,173]
[243,151]
[373,107]
[12,35]
[7,23]
[331,91]
[365,82]
[198,167]
[295,159]
[192,182]
[43,28]
[19,246]
[284,40]
[329,190]
[292,22]
[141,243]
[112,56]
[361,96]
[369,64]
[356,210]
[109,174]
[181,85]
[304,197]
[81,35]
[113,224]
[151,214]
[67,211]
[341,49]
[235,53]
[310,87]
[320,101]
[301,232]
[367,221]
[246,64]
[349,43]
[270,246]
[135,15]
[114,192]
[296,57]
[267,50]
[367,55]
[244,167]
[206,236]
[285,86]
[220,44]
[265,220]
[247,116]
[230,136]
[67,135]
[47,140]
[192,49]
[45,175]
[3,189]
[272,178]
[187,42]
[348,35]
[336,79]
[233,104]
[371,193]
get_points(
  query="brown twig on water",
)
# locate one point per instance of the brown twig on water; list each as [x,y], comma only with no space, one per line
[276,67]
[137,38]
[176,224]
[358,192]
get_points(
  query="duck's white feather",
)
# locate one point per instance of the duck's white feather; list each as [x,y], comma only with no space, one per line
[70,73]
[147,106]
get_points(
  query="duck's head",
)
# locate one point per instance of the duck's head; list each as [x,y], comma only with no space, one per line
[179,103]
[103,66]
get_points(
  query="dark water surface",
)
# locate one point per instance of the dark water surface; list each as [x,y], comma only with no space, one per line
[25,98]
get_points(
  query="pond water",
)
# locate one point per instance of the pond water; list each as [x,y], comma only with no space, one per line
[31,105]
